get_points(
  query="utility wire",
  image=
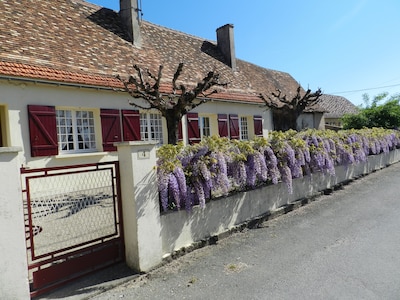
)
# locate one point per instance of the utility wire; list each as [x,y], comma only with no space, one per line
[362,90]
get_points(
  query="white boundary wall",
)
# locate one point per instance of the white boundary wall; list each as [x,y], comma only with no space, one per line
[14,266]
[181,229]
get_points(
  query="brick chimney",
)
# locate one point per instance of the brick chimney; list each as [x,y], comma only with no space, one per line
[130,15]
[226,44]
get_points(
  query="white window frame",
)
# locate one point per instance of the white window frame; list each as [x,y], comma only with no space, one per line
[244,128]
[74,122]
[205,126]
[151,127]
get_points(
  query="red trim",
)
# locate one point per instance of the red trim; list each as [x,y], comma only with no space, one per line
[223,125]
[42,130]
[193,128]
[110,128]
[234,127]
[131,125]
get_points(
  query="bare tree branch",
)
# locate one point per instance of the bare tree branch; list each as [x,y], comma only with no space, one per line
[172,106]
[290,109]
[176,76]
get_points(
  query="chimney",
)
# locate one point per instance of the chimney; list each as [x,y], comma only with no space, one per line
[226,44]
[130,15]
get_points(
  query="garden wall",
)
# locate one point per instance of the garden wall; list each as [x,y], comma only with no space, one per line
[14,282]
[181,229]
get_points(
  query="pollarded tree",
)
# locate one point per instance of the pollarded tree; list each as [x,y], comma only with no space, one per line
[174,105]
[286,111]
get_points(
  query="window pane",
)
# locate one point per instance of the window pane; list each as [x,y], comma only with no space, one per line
[151,127]
[156,128]
[204,123]
[75,130]
[244,132]
[143,127]
[64,130]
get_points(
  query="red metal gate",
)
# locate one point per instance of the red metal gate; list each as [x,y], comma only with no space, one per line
[73,222]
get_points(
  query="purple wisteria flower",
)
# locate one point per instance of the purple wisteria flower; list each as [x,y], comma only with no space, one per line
[287,178]
[240,175]
[201,151]
[199,193]
[272,165]
[251,171]
[262,166]
[181,179]
[221,179]
[163,179]
[189,199]
[196,173]
[174,190]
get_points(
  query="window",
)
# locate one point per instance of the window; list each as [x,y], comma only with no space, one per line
[244,129]
[151,127]
[53,131]
[75,131]
[205,129]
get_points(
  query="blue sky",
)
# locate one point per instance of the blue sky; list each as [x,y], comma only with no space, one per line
[344,47]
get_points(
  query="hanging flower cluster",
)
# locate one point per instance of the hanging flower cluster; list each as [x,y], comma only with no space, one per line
[215,167]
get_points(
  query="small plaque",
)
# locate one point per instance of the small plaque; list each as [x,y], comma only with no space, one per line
[143,154]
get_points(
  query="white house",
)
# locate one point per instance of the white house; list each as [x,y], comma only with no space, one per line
[60,100]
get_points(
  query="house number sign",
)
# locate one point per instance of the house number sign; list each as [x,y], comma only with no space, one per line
[143,154]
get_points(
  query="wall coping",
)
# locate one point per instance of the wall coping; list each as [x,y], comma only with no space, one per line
[10,150]
[136,143]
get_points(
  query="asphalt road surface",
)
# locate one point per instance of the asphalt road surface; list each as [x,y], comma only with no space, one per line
[342,246]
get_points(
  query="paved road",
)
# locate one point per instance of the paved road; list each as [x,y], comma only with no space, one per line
[342,246]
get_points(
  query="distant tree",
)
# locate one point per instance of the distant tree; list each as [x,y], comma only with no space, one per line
[145,85]
[386,115]
[286,111]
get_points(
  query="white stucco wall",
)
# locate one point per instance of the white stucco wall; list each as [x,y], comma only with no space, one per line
[311,120]
[15,96]
[14,266]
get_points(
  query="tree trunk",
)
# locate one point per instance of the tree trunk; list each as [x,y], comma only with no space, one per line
[172,119]
[284,120]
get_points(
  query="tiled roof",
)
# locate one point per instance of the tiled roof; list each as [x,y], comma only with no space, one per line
[73,41]
[337,106]
[50,74]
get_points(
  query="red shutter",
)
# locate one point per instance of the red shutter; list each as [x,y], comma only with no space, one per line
[42,130]
[110,128]
[180,132]
[234,126]
[131,125]
[223,125]
[258,126]
[193,128]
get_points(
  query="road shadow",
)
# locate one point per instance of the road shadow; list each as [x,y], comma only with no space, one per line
[93,284]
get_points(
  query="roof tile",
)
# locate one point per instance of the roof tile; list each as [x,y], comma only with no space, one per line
[337,106]
[73,41]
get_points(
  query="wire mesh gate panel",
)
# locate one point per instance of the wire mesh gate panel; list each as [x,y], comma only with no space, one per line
[73,222]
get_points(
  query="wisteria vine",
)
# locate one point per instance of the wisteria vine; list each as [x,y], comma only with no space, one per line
[194,174]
